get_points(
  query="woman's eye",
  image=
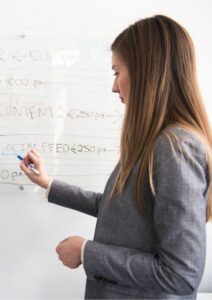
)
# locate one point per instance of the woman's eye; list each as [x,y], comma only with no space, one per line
[115,74]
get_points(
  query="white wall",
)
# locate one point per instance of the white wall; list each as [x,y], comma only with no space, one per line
[55,89]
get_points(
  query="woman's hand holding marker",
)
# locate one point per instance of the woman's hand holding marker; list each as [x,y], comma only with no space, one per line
[32,165]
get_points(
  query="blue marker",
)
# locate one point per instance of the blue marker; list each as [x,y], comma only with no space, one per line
[30,166]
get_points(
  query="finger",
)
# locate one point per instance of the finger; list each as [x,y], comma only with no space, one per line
[24,168]
[34,151]
[60,257]
[27,159]
[33,158]
[58,248]
[65,240]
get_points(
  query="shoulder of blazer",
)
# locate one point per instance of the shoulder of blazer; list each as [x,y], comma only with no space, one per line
[181,140]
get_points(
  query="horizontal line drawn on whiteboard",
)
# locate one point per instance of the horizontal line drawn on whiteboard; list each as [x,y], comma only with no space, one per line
[61,29]
[98,160]
[81,76]
[66,128]
[50,69]
[70,93]
[47,134]
[77,175]
[28,38]
[56,176]
[81,175]
[82,159]
[49,95]
[71,76]
[76,83]
[58,68]
[65,165]
[15,183]
[46,83]
[33,39]
[69,164]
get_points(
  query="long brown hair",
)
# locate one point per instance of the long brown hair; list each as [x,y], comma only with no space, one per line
[160,58]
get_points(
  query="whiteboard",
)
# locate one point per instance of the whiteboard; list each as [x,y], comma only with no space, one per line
[55,96]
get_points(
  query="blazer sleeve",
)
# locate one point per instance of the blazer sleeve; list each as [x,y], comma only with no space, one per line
[74,197]
[179,218]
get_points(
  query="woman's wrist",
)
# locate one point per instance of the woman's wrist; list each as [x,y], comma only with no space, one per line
[82,250]
[48,187]
[46,182]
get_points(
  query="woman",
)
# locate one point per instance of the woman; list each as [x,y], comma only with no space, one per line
[149,241]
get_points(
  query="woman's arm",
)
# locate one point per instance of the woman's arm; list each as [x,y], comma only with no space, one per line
[58,192]
[74,197]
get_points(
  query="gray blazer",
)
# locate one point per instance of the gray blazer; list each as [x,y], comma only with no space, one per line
[160,255]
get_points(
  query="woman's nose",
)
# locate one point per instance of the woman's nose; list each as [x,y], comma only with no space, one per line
[115,88]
